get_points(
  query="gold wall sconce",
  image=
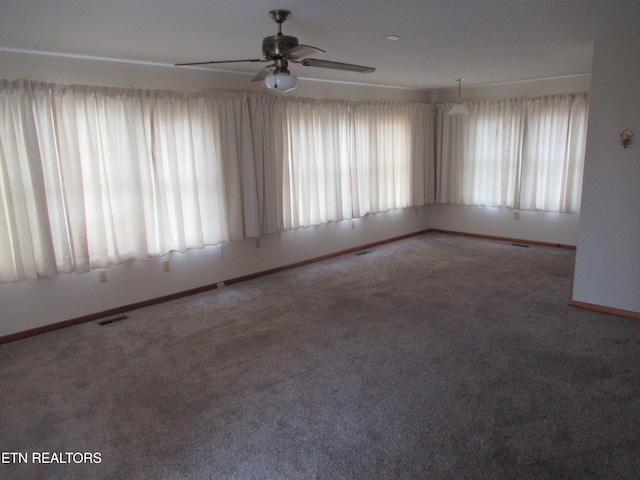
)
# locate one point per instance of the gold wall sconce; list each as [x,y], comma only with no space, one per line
[626,138]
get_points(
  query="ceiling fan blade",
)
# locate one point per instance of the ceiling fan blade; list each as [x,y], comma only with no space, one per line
[312,62]
[262,74]
[220,61]
[300,51]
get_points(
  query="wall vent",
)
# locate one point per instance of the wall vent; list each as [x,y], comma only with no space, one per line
[520,245]
[112,320]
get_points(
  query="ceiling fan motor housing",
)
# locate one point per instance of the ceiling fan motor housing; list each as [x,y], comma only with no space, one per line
[274,45]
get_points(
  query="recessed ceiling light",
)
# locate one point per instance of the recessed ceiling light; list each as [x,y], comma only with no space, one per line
[394,37]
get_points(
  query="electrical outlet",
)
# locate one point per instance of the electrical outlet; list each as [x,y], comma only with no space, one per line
[220,285]
[102,275]
[167,266]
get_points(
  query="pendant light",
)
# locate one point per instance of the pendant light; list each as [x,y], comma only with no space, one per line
[459,108]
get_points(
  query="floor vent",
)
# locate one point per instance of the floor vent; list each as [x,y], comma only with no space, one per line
[112,320]
[520,245]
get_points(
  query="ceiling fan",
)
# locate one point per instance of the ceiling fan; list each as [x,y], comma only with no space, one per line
[280,50]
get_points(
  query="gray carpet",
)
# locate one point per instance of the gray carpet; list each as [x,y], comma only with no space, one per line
[435,357]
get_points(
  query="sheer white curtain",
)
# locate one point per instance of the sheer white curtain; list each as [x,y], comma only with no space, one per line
[267,135]
[553,157]
[26,243]
[516,153]
[346,159]
[394,148]
[479,153]
[96,176]
[318,165]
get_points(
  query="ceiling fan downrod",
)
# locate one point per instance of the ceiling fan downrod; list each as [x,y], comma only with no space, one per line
[279,16]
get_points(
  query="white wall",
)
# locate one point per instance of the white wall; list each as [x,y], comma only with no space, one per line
[545,227]
[31,304]
[71,70]
[530,89]
[608,258]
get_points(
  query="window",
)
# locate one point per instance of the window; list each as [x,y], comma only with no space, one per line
[96,176]
[553,156]
[516,153]
[347,159]
[93,176]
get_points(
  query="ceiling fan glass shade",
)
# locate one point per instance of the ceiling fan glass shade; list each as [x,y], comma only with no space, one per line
[281,82]
[459,109]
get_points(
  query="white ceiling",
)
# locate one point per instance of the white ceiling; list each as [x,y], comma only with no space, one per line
[484,41]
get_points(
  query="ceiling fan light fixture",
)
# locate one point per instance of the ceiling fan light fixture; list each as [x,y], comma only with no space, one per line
[459,108]
[281,82]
